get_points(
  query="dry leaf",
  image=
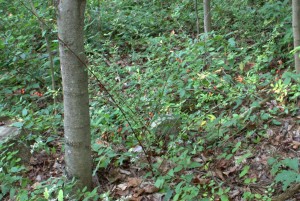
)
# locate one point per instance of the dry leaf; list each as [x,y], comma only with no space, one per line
[101,142]
[134,182]
[295,144]
[220,174]
[198,180]
[125,172]
[122,186]
[150,189]
[231,170]
[222,164]
[234,193]
[138,192]
[239,78]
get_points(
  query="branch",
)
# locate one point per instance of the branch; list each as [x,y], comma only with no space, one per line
[289,193]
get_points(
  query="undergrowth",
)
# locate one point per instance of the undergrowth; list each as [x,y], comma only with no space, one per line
[185,108]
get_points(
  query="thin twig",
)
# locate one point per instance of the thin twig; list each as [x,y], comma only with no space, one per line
[44,29]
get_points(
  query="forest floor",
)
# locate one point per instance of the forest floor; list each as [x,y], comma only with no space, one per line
[250,156]
[234,91]
[128,180]
[257,151]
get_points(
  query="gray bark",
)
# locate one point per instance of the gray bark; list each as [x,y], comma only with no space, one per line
[207,16]
[296,32]
[75,89]
[197,17]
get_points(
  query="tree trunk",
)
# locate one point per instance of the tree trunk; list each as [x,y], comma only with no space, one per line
[207,16]
[75,89]
[296,32]
[197,17]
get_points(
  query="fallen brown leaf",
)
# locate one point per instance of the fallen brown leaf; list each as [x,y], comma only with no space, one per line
[231,170]
[219,174]
[295,144]
[150,189]
[198,180]
[134,182]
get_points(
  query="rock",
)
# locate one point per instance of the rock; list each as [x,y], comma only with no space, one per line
[8,132]
[166,125]
[12,135]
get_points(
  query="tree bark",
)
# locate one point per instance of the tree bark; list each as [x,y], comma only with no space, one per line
[296,32]
[207,16]
[75,90]
[197,17]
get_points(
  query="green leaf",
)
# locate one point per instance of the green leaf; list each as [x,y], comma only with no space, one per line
[182,93]
[50,139]
[171,173]
[60,196]
[15,169]
[195,165]
[159,182]
[275,122]
[23,56]
[46,193]
[255,104]
[236,147]
[168,195]
[224,198]
[287,81]
[286,177]
[178,168]
[247,181]
[12,193]
[231,42]
[292,163]
[229,156]
[271,161]
[4,189]
[265,116]
[24,112]
[44,33]
[244,171]
[238,103]
[23,195]
[258,196]
[243,157]
[18,124]
[2,44]
[176,197]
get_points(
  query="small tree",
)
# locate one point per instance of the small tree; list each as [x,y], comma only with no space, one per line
[296,31]
[197,17]
[207,16]
[75,89]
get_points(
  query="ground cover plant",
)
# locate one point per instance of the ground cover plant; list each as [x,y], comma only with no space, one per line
[174,115]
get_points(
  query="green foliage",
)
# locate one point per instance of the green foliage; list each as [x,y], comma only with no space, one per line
[131,20]
[24,54]
[147,56]
[285,171]
[192,79]
[10,173]
[106,154]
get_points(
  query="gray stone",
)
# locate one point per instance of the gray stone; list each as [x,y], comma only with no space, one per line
[7,132]
[166,125]
[9,135]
